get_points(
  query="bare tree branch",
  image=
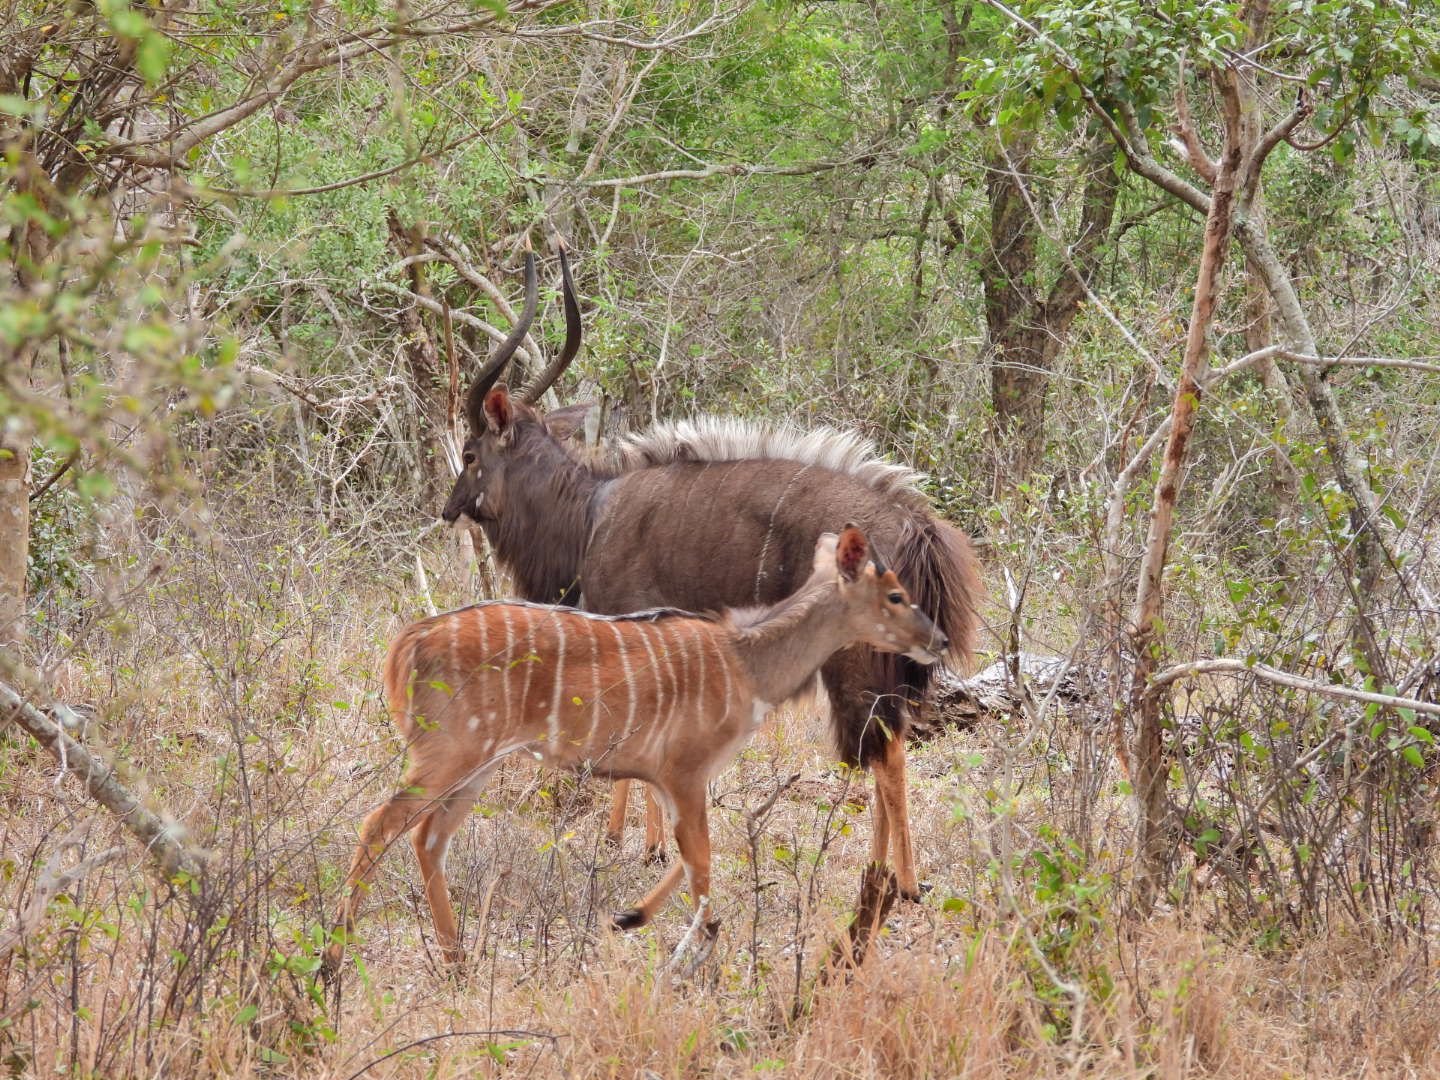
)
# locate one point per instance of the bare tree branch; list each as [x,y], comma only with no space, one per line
[1224,666]
[164,841]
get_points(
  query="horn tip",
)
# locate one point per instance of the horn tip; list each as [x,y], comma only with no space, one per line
[559,241]
[529,247]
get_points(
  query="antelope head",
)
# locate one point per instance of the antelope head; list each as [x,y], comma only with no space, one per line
[502,425]
[876,607]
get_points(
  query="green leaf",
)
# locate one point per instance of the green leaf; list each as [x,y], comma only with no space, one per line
[1413,756]
[95,485]
[153,57]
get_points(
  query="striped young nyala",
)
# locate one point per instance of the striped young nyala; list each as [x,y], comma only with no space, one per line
[709,514]
[662,696]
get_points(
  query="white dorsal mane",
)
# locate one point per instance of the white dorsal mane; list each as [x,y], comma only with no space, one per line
[714,438]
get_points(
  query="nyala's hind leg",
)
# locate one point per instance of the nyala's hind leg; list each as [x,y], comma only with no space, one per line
[692,835]
[619,803]
[432,845]
[654,828]
[381,828]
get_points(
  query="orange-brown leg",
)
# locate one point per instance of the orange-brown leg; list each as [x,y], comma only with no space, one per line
[654,828]
[880,830]
[692,835]
[381,828]
[891,787]
[432,843]
[619,803]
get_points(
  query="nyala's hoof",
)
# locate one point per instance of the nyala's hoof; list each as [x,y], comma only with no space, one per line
[613,840]
[628,919]
[915,897]
[656,856]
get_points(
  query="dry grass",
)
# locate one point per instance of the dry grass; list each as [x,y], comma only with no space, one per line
[243,691]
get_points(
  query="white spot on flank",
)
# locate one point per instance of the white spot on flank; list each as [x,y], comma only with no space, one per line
[474,722]
[880,626]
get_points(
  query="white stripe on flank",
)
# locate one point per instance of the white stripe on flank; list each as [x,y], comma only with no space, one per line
[673,662]
[525,661]
[624,653]
[760,572]
[504,664]
[654,675]
[699,689]
[477,678]
[595,683]
[452,626]
[724,667]
[480,632]
[553,723]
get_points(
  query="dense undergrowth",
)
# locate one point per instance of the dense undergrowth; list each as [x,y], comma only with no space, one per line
[239,686]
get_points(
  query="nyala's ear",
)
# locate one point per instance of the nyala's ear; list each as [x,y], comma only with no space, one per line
[851,553]
[568,422]
[499,411]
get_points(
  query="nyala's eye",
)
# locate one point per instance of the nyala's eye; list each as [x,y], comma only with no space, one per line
[469,458]
[896,598]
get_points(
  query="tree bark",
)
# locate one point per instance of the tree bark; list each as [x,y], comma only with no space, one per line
[1147,755]
[429,374]
[1025,326]
[14,538]
[1371,556]
[1259,329]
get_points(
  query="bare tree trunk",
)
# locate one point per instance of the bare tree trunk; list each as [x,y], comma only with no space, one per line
[1027,328]
[1147,753]
[1017,360]
[1259,330]
[14,538]
[1371,556]
[428,373]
